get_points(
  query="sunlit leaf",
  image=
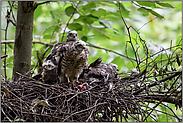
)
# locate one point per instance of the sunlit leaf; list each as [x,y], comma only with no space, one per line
[48,36]
[98,13]
[164,4]
[130,65]
[119,62]
[89,19]
[146,3]
[153,12]
[144,12]
[113,37]
[87,8]
[37,12]
[124,11]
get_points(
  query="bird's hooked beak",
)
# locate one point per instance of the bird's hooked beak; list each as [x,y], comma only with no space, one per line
[45,67]
[74,35]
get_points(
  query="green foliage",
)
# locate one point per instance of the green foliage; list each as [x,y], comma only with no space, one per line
[69,10]
[100,23]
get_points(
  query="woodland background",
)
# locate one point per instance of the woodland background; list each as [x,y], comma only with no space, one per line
[101,25]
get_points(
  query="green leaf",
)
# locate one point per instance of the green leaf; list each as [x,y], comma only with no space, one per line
[87,8]
[118,61]
[153,12]
[57,28]
[104,23]
[98,13]
[69,10]
[144,12]
[89,19]
[130,65]
[113,37]
[164,4]
[75,26]
[124,11]
[146,3]
[38,12]
[48,36]
[84,38]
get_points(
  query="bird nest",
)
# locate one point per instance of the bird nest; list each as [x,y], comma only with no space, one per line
[29,100]
[100,96]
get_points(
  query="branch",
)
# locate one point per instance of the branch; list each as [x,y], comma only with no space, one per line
[91,45]
[170,99]
[4,56]
[43,3]
[85,110]
[129,35]
[39,42]
[156,83]
[70,20]
[46,29]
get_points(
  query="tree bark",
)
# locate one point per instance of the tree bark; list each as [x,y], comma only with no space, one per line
[23,38]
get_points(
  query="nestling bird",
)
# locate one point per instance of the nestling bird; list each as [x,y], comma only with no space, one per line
[49,73]
[98,70]
[66,59]
[50,64]
[56,52]
[74,60]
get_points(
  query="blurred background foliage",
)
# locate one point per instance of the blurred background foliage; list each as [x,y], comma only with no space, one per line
[100,23]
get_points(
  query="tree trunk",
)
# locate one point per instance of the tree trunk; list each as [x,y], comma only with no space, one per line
[23,38]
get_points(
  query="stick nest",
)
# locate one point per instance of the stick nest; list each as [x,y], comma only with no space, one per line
[103,96]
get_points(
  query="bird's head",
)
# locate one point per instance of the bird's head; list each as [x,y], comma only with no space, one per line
[79,46]
[72,35]
[48,65]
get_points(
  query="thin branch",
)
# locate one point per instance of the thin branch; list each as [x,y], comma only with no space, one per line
[39,42]
[156,83]
[48,28]
[70,20]
[12,11]
[84,110]
[43,3]
[5,115]
[129,35]
[171,99]
[91,45]
[6,31]
[4,56]
[165,96]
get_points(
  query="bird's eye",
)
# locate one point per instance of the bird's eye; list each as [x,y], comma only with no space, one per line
[70,34]
[79,46]
[76,34]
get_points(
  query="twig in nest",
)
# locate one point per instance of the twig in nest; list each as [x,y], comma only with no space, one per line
[84,110]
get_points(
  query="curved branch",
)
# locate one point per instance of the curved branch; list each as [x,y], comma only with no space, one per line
[156,83]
